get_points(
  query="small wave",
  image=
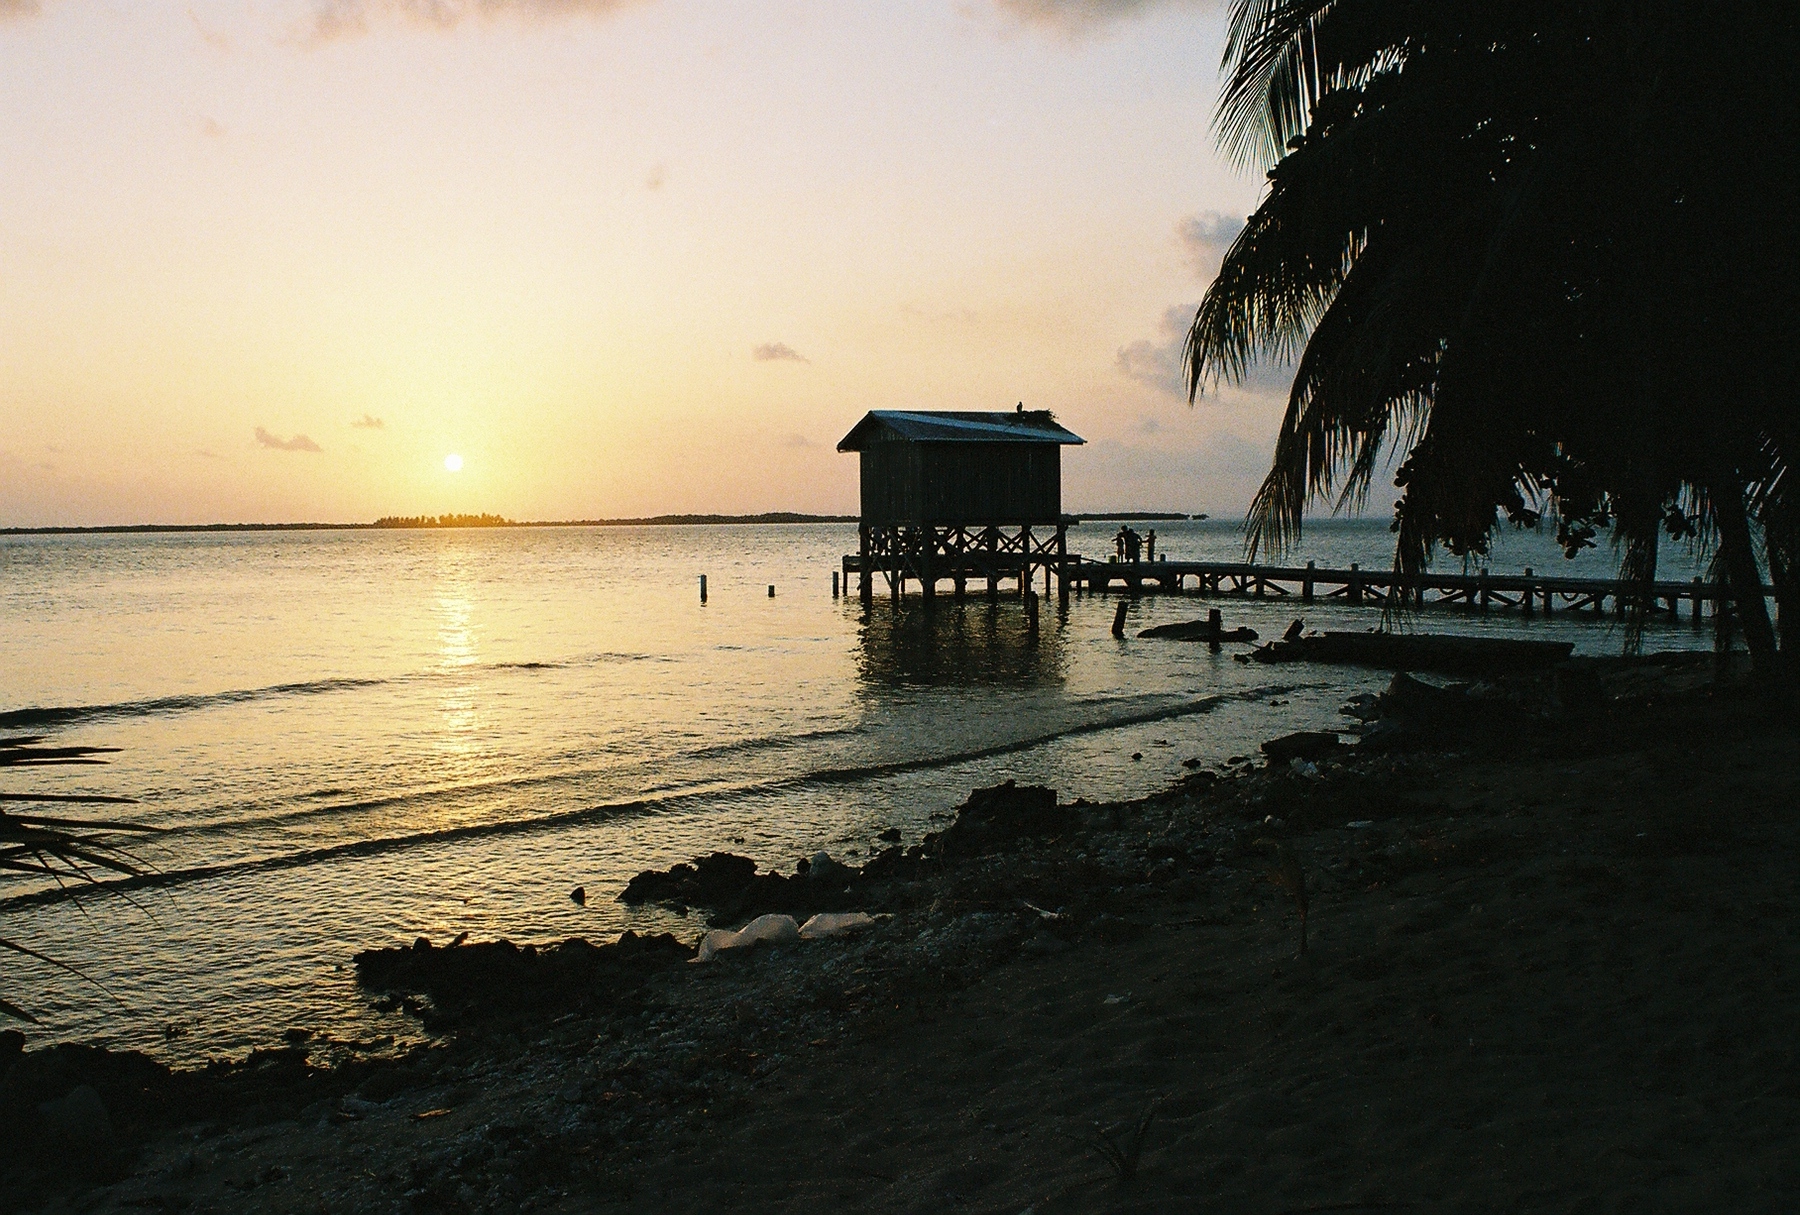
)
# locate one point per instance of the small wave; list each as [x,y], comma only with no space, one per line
[67,715]
[635,806]
[833,776]
[64,715]
[772,742]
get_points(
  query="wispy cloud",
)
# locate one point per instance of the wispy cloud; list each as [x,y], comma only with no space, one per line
[1205,238]
[776,352]
[368,422]
[656,178]
[19,8]
[207,455]
[797,440]
[297,443]
[210,127]
[1077,17]
[333,19]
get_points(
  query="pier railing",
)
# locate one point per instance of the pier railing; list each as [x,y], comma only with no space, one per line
[1526,592]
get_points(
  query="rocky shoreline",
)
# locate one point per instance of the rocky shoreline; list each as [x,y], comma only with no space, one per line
[1037,969]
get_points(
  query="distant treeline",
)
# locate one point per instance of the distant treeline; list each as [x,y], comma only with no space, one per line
[444,521]
[398,522]
[778,516]
[1134,516]
[774,516]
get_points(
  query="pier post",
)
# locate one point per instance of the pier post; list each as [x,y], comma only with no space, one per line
[834,584]
[702,588]
[1306,585]
[1118,625]
[1699,594]
[1530,593]
[1062,564]
[1031,613]
[865,575]
[1482,594]
[1353,588]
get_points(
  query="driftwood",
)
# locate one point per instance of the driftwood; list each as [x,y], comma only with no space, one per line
[1198,630]
[1420,652]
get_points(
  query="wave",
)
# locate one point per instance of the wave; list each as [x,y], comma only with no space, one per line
[68,715]
[642,805]
[65,715]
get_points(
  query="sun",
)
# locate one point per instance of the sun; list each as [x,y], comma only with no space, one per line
[453,463]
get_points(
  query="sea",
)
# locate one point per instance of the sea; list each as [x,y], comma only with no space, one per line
[350,739]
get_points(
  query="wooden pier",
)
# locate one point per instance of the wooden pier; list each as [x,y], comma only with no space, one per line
[1528,592]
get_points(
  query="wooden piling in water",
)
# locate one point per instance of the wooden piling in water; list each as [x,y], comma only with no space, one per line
[702,588]
[1118,625]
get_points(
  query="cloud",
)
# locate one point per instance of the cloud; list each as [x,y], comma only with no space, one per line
[368,422]
[1205,238]
[19,8]
[1157,363]
[776,352]
[656,177]
[212,128]
[297,443]
[209,455]
[1076,17]
[334,19]
[797,440]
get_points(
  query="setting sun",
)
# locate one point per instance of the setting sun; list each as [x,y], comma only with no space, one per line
[453,463]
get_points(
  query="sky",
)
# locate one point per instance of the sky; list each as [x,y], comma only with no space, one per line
[276,260]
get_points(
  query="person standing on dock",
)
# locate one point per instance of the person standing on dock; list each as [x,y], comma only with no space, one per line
[1150,546]
[1119,545]
[1131,546]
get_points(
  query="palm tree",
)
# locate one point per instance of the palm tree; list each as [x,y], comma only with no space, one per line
[63,849]
[1508,240]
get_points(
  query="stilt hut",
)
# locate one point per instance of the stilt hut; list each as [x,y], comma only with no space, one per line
[960,496]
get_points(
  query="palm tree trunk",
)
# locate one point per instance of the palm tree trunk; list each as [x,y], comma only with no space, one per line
[1737,552]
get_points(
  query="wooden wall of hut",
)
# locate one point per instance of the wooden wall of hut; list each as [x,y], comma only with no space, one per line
[949,483]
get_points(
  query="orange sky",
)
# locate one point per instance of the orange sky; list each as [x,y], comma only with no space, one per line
[271,260]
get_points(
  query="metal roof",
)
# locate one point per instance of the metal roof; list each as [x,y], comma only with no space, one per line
[955,426]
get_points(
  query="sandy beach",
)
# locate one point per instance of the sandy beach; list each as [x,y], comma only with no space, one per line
[1552,965]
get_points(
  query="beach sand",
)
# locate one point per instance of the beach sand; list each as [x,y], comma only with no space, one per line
[1558,970]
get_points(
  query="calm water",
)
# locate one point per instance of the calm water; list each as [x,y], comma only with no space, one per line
[355,738]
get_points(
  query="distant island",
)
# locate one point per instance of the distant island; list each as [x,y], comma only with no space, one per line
[411,522]
[406,522]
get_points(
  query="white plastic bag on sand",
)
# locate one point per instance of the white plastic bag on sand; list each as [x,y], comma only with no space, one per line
[834,924]
[774,929]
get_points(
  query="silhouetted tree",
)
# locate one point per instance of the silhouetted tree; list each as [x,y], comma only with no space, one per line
[1545,249]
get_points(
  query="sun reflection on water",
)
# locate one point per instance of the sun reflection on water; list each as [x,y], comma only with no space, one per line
[458,733]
